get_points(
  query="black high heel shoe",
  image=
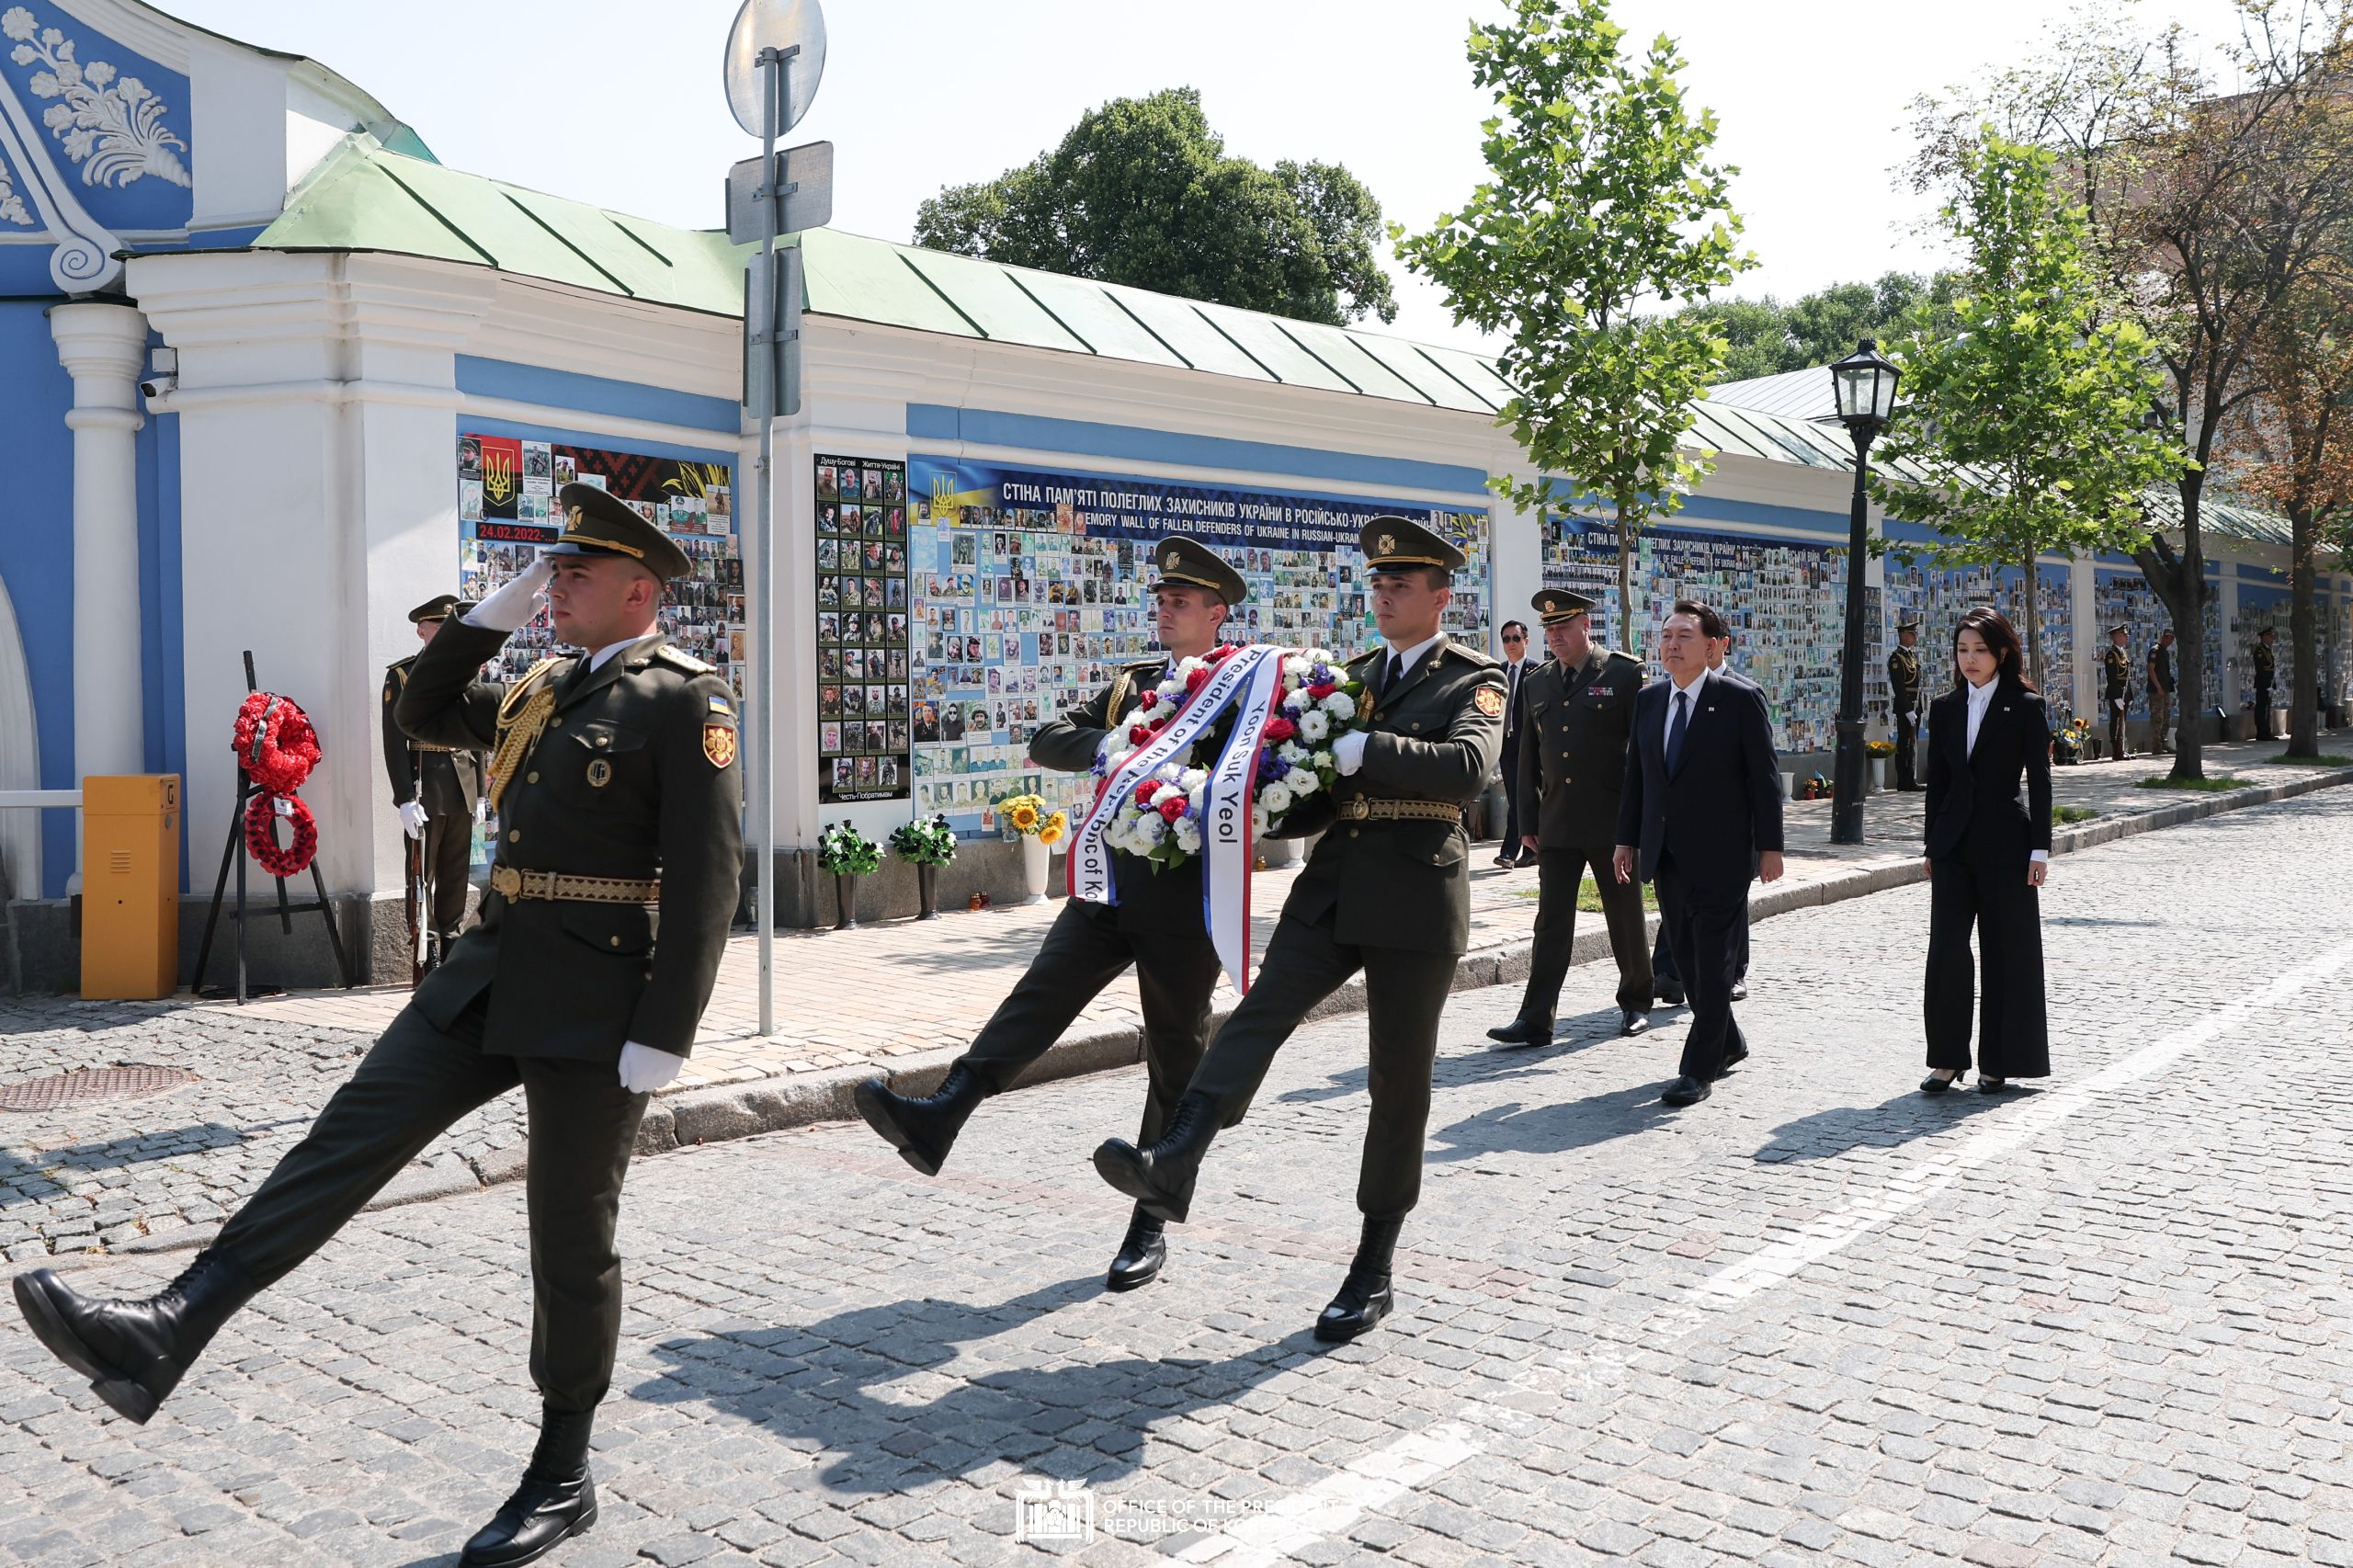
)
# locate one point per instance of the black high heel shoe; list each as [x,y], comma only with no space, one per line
[1932,1084]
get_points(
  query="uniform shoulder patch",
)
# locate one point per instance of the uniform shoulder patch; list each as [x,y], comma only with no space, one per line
[719,744]
[679,659]
[1489,700]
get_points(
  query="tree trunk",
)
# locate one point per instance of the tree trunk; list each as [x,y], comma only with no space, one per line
[2180,580]
[2032,622]
[2303,662]
[1626,578]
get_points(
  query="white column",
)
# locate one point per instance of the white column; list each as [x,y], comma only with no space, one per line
[103,347]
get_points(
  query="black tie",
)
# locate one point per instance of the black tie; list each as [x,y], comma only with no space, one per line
[1511,700]
[1674,731]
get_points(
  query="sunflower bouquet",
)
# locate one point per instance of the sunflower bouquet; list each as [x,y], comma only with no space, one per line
[1028,816]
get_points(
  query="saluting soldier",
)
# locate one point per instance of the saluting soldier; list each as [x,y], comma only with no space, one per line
[1157,926]
[2264,666]
[435,788]
[1576,711]
[1386,892]
[620,802]
[1904,683]
[2117,687]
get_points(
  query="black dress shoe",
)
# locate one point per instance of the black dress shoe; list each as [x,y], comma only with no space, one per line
[1142,1253]
[555,1501]
[1670,993]
[924,1130]
[1364,1296]
[1632,1022]
[1740,991]
[134,1353]
[1159,1177]
[1732,1057]
[1524,1031]
[1932,1084]
[1685,1091]
[1991,1085]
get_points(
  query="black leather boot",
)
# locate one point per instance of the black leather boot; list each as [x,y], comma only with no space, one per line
[1524,1030]
[134,1353]
[1160,1177]
[924,1130]
[1365,1296]
[555,1501]
[1141,1253]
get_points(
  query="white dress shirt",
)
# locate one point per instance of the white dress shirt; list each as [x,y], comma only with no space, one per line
[1405,659]
[1981,698]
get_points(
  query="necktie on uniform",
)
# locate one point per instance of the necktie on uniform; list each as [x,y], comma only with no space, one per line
[1675,729]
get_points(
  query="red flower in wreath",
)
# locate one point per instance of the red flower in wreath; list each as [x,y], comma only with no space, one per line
[275,743]
[261,836]
[1145,792]
[1193,681]
[1172,808]
[1278,730]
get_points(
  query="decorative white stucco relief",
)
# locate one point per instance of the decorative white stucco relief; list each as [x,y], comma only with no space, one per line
[110,125]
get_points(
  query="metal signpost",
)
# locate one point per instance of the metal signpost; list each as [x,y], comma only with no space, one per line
[776,55]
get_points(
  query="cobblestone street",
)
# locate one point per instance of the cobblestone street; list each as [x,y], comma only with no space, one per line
[1820,1317]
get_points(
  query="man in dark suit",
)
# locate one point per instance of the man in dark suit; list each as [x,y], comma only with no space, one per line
[436,788]
[1157,926]
[2266,663]
[1386,892]
[1577,709]
[1700,814]
[1520,811]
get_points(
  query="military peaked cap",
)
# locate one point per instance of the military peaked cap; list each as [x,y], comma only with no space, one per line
[1391,544]
[1180,557]
[598,523]
[440,606]
[1555,607]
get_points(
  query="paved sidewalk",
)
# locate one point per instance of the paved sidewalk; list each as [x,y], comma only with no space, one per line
[896,998]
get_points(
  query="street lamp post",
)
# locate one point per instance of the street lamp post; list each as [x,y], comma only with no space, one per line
[1865,385]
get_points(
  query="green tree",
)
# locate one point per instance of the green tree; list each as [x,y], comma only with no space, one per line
[2023,426]
[1142,193]
[1765,338]
[1600,200]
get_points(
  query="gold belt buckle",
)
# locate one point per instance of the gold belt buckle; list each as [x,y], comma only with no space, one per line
[1357,809]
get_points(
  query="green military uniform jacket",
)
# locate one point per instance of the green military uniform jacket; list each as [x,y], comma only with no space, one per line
[634,776]
[1574,725]
[2118,667]
[1154,898]
[2264,665]
[1436,737]
[1904,680]
[447,781]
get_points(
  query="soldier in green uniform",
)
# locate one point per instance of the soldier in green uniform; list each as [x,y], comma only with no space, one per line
[2116,694]
[1575,714]
[619,805]
[2264,666]
[435,788]
[1157,926]
[1385,891]
[1904,683]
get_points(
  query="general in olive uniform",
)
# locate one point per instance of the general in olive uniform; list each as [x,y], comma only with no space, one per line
[436,788]
[1904,686]
[1385,891]
[1575,711]
[2116,687]
[1157,926]
[2265,666]
[619,804]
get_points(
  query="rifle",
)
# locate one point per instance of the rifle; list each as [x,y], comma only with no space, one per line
[413,888]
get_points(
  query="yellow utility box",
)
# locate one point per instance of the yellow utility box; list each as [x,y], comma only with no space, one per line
[130,881]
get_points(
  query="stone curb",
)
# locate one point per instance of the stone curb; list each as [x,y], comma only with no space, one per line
[723,1111]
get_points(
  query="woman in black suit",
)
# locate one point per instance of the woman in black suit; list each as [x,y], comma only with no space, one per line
[1987,852]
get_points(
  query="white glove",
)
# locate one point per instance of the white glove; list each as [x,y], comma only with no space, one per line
[644,1069]
[413,818]
[1348,752]
[516,602]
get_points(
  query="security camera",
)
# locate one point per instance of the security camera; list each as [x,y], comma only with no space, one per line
[156,386]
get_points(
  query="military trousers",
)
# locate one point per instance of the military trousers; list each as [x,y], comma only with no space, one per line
[449,856]
[2160,720]
[1560,873]
[415,1083]
[1406,990]
[1907,749]
[2116,740]
[2263,727]
[1085,950]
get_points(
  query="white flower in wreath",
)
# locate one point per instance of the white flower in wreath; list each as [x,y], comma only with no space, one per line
[1292,751]
[1150,830]
[1275,797]
[1302,782]
[1188,834]
[1165,794]
[1296,668]
[1341,707]
[1323,761]
[1191,780]
[1314,726]
[1259,819]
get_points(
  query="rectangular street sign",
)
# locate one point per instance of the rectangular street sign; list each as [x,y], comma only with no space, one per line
[806,175]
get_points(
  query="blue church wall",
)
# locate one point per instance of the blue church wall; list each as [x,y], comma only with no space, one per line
[37,547]
[113,124]
[596,395]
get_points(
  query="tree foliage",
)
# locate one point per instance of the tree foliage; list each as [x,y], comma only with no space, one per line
[1141,191]
[1600,200]
[2022,430]
[1765,337]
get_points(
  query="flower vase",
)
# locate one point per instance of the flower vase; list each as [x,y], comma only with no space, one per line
[1035,855]
[1879,775]
[846,901]
[927,886]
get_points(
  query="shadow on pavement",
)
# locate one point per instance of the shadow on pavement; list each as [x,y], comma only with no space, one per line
[827,1388]
[1826,1134]
[1513,1128]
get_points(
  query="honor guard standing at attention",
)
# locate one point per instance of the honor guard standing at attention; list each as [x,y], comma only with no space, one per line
[2265,665]
[1157,925]
[435,788]
[619,804]
[1386,892]
[1576,711]
[1903,684]
[2115,666]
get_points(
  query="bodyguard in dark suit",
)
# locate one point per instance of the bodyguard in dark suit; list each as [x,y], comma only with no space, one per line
[1699,815]
[1386,892]
[1519,813]
[1157,926]
[436,788]
[1578,708]
[619,805]
[1987,852]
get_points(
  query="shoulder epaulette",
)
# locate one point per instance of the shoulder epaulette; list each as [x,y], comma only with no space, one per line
[679,659]
[1625,658]
[1478,656]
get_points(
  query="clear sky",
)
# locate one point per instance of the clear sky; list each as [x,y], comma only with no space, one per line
[621,105]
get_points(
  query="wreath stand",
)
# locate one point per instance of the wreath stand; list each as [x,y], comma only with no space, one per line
[246,791]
